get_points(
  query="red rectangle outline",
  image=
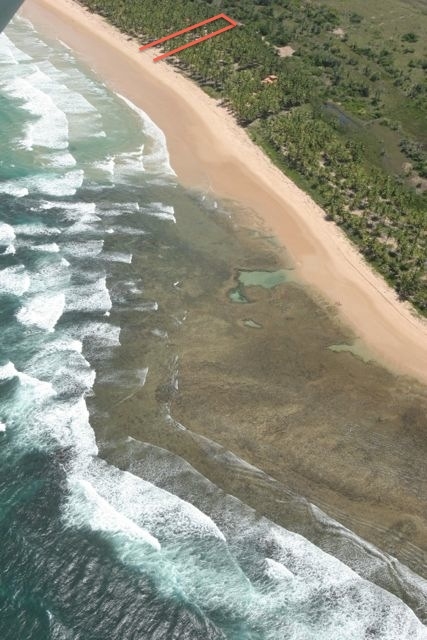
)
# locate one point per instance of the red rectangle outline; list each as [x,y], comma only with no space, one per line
[232,24]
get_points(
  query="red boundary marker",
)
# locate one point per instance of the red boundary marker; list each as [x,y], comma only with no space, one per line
[232,24]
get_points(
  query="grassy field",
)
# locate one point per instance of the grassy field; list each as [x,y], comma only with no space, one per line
[372,43]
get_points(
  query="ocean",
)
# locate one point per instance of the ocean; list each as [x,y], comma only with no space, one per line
[105,535]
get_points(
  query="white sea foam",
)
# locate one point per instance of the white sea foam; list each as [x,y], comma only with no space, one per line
[42,310]
[50,128]
[41,388]
[20,18]
[132,287]
[85,219]
[107,166]
[41,418]
[75,376]
[63,344]
[57,630]
[11,188]
[117,256]
[128,231]
[277,571]
[6,56]
[8,371]
[134,504]
[84,249]
[83,84]
[56,185]
[50,184]
[86,507]
[159,210]
[7,234]
[129,509]
[51,276]
[147,306]
[69,373]
[46,248]
[142,375]
[7,237]
[60,160]
[73,211]
[157,160]
[83,227]
[36,230]
[70,82]
[9,53]
[99,134]
[51,81]
[161,513]
[101,334]
[14,280]
[9,251]
[2,427]
[82,434]
[89,297]
[346,606]
[117,209]
[362,549]
[129,163]
[305,561]
[49,422]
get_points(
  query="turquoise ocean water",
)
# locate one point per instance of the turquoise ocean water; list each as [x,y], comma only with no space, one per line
[89,551]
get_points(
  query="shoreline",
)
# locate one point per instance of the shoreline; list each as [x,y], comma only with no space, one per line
[209,151]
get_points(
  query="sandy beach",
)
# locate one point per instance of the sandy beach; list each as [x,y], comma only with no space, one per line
[209,151]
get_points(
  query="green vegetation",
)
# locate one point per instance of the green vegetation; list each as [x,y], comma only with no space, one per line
[343,113]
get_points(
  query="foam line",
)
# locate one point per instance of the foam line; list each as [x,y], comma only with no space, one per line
[14,280]
[159,157]
[42,311]
[50,129]
[87,507]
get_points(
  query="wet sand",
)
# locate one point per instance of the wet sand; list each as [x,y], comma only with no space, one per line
[210,152]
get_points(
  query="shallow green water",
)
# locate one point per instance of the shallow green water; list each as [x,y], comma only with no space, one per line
[265,279]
